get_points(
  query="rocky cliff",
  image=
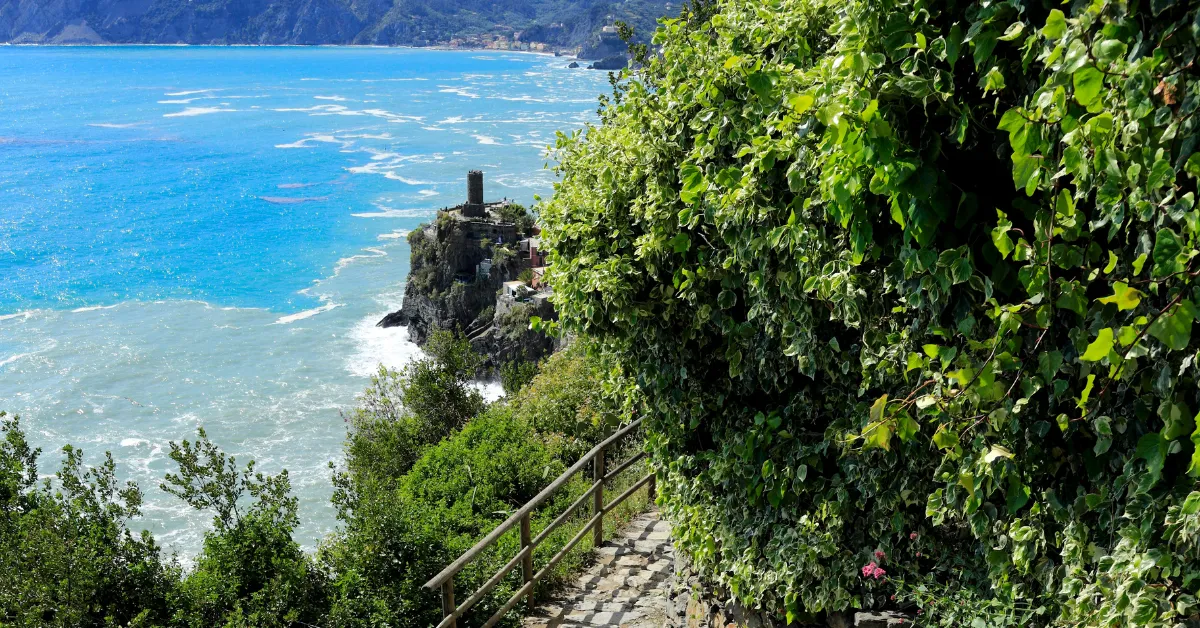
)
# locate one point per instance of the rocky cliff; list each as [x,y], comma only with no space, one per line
[458,268]
[561,23]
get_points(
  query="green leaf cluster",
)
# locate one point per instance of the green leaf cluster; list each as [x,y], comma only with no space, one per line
[887,268]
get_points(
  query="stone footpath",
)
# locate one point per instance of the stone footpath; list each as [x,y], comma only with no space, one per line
[636,583]
[626,588]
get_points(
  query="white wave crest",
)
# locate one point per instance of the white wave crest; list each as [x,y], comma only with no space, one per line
[197,111]
[299,316]
[93,308]
[486,139]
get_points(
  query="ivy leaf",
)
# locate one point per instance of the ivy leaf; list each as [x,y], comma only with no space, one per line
[1194,467]
[877,435]
[945,438]
[762,83]
[1000,238]
[1112,263]
[693,183]
[995,453]
[1152,448]
[1166,253]
[1056,25]
[1145,611]
[1018,494]
[1088,83]
[877,409]
[1124,297]
[1174,328]
[680,243]
[800,102]
[1100,347]
[1191,505]
[1014,31]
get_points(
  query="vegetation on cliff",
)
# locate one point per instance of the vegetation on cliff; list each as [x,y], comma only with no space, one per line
[909,287]
[429,470]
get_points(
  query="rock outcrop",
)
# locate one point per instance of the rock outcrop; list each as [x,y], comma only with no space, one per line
[460,265]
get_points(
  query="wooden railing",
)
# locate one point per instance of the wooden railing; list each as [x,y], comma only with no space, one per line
[445,579]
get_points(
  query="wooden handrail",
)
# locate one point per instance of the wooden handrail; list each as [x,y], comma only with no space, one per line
[445,579]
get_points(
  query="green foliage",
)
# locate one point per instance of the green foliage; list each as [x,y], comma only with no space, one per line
[402,413]
[251,572]
[908,267]
[400,533]
[514,375]
[520,216]
[66,557]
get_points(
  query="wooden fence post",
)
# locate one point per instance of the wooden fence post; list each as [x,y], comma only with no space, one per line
[652,488]
[598,502]
[527,562]
[448,602]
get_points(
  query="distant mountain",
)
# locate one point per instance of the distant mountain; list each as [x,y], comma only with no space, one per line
[558,24]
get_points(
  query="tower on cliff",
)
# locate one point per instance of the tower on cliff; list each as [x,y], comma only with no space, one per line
[474,207]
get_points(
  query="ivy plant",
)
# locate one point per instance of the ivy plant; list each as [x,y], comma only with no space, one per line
[909,286]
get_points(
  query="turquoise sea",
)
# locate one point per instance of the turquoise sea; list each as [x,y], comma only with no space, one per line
[207,237]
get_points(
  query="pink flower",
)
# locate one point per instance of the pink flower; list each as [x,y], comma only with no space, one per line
[880,556]
[871,570]
[912,537]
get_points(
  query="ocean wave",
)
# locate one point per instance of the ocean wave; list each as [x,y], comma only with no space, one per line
[296,186]
[25,314]
[113,125]
[387,212]
[93,308]
[375,346]
[197,111]
[285,200]
[299,316]
[395,177]
[191,92]
[398,234]
[460,91]
[14,358]
[333,98]
[346,261]
[486,139]
[428,193]
[319,138]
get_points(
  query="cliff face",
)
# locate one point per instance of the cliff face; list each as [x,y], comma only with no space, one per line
[450,286]
[443,289]
[383,22]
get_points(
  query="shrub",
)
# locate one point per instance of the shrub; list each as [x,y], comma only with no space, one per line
[250,572]
[459,490]
[914,278]
[515,374]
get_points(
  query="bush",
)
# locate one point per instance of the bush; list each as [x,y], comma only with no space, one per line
[251,572]
[457,492]
[514,375]
[913,278]
[403,412]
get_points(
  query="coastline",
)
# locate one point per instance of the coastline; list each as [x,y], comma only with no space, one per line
[439,47]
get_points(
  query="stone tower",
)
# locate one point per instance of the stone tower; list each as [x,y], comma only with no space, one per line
[474,207]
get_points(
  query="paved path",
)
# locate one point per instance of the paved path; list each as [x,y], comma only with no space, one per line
[626,588]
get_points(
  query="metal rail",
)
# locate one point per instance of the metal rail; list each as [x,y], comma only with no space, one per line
[445,579]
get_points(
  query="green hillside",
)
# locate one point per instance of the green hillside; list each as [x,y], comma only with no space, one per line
[559,24]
